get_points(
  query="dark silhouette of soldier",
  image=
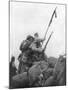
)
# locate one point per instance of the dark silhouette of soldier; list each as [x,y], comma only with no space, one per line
[26,43]
[12,70]
[26,53]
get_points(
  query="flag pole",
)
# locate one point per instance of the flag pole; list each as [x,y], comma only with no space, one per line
[47,41]
[54,12]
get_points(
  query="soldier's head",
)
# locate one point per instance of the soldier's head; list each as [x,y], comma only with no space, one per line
[30,38]
[36,35]
[13,61]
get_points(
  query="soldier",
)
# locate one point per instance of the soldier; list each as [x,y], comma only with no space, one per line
[26,43]
[26,52]
[25,57]
[36,47]
[37,43]
[12,67]
[12,71]
[20,63]
[38,40]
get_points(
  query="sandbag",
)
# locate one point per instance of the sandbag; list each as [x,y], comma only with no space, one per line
[49,81]
[36,70]
[20,80]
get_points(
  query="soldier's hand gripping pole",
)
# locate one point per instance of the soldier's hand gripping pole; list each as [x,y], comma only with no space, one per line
[54,13]
[47,42]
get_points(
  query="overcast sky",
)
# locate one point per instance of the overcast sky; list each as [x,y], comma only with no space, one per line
[28,18]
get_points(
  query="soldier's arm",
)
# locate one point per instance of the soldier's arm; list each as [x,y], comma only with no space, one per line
[41,40]
[22,44]
[37,49]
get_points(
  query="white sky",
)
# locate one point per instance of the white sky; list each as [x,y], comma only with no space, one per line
[28,18]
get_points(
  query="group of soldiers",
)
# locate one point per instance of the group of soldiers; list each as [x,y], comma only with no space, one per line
[34,69]
[31,51]
[31,54]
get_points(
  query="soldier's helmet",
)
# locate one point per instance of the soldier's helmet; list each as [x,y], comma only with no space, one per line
[12,59]
[30,38]
[36,35]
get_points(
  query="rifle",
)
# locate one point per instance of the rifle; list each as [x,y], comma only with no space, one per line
[47,42]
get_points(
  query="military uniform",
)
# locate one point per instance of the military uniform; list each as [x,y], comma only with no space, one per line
[31,51]
[12,71]
[26,43]
[36,47]
[25,56]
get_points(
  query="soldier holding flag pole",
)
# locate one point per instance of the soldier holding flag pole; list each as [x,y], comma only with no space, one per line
[37,43]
